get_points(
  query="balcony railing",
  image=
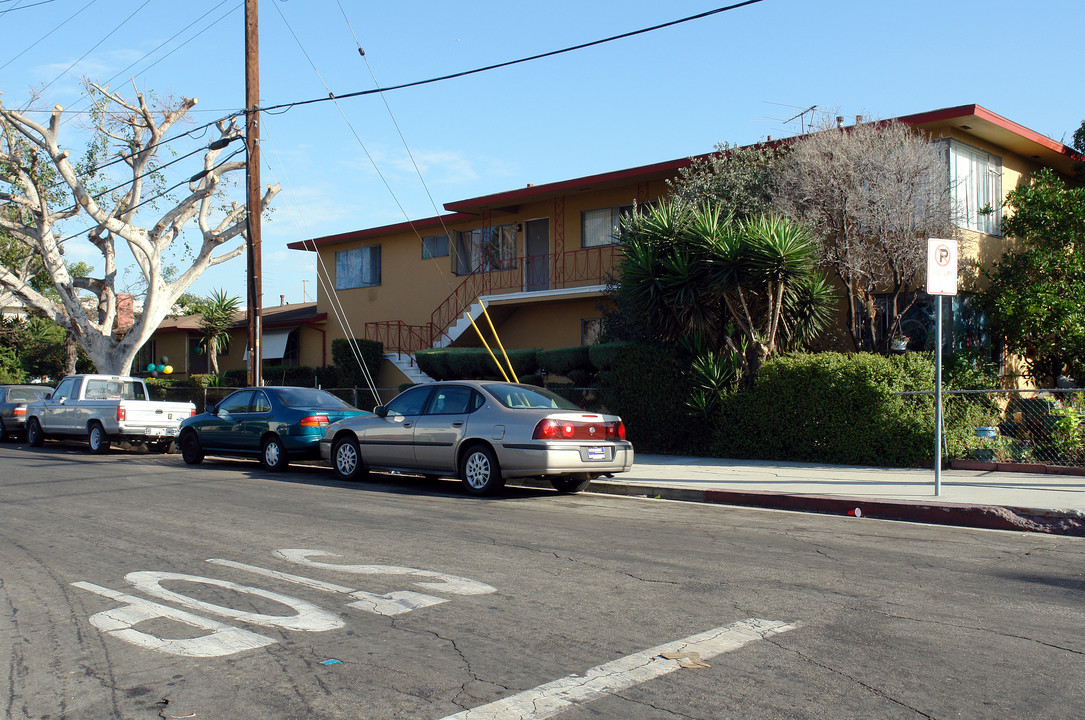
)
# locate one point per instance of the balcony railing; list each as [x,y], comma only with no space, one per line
[532,273]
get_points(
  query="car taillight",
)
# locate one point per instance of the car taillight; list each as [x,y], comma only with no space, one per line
[21,410]
[551,429]
[192,412]
[122,414]
[616,431]
[314,421]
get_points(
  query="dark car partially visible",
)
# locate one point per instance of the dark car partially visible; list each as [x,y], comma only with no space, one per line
[13,400]
[272,424]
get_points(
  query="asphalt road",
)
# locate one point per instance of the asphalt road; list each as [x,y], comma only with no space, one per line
[407,599]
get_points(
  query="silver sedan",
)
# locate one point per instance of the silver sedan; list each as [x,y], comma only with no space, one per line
[483,433]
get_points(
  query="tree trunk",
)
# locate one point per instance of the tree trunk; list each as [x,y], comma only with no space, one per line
[71,353]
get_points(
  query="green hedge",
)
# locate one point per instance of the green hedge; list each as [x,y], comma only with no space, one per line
[350,373]
[473,363]
[562,361]
[832,408]
[647,386]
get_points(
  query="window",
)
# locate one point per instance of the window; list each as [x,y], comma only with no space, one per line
[358,267]
[454,400]
[486,249]
[589,331]
[975,180]
[410,402]
[434,246]
[260,403]
[599,227]
[145,356]
[236,403]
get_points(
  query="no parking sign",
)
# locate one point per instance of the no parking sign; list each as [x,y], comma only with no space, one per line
[941,267]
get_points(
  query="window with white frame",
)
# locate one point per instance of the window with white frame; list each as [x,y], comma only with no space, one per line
[486,249]
[358,267]
[600,227]
[434,246]
[975,178]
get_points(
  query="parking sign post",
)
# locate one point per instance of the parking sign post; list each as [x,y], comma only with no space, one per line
[941,280]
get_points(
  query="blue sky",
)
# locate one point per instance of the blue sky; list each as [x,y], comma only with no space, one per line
[735,76]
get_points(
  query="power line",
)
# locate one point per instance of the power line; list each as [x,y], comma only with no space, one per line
[25,7]
[97,44]
[34,44]
[332,96]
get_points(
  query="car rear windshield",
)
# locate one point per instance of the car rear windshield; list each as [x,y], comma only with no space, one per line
[526,396]
[114,390]
[310,398]
[26,394]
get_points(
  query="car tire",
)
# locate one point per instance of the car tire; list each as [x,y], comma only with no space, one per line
[97,439]
[34,436]
[347,459]
[273,455]
[568,484]
[479,471]
[191,452]
[162,447]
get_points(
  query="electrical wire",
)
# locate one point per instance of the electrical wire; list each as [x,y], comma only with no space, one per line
[34,44]
[552,53]
[24,7]
[97,44]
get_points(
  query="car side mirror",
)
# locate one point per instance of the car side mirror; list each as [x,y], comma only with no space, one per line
[212,408]
[380,411]
[47,396]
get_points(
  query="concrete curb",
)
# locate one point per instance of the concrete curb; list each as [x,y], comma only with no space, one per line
[992,517]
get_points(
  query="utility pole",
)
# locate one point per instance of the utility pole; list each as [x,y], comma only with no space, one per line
[252,184]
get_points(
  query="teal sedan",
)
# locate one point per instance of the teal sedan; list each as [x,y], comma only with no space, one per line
[272,424]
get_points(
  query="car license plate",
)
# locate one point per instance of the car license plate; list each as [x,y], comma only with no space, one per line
[597,453]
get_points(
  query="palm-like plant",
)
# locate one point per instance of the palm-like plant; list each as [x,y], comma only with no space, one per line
[693,272]
[217,317]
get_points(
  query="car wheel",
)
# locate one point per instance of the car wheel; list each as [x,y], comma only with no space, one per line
[34,436]
[479,471]
[347,459]
[163,447]
[273,455]
[570,483]
[97,439]
[191,452]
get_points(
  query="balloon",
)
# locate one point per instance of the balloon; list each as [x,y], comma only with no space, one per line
[165,360]
[154,373]
[150,367]
[199,349]
[160,368]
[168,370]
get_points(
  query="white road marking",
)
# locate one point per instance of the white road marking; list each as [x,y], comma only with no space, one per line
[222,640]
[552,698]
[394,603]
[309,617]
[452,584]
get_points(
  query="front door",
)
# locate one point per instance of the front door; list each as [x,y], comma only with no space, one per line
[537,255]
[437,433]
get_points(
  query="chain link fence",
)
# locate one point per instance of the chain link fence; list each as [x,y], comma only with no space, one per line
[1013,426]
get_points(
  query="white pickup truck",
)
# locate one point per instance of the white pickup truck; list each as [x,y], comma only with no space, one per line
[104,409]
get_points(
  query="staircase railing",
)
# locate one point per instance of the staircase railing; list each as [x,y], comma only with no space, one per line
[524,274]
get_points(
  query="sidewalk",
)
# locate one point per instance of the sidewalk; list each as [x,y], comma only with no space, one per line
[972,498]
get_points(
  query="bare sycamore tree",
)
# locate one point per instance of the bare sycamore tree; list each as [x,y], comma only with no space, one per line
[41,185]
[875,192]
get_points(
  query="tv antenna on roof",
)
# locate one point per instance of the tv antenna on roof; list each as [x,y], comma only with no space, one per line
[800,116]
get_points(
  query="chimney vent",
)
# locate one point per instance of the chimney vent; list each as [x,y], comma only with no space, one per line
[858,119]
[282,299]
[840,121]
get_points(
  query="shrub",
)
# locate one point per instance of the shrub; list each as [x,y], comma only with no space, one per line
[646,386]
[562,361]
[833,408]
[473,363]
[604,355]
[350,373]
